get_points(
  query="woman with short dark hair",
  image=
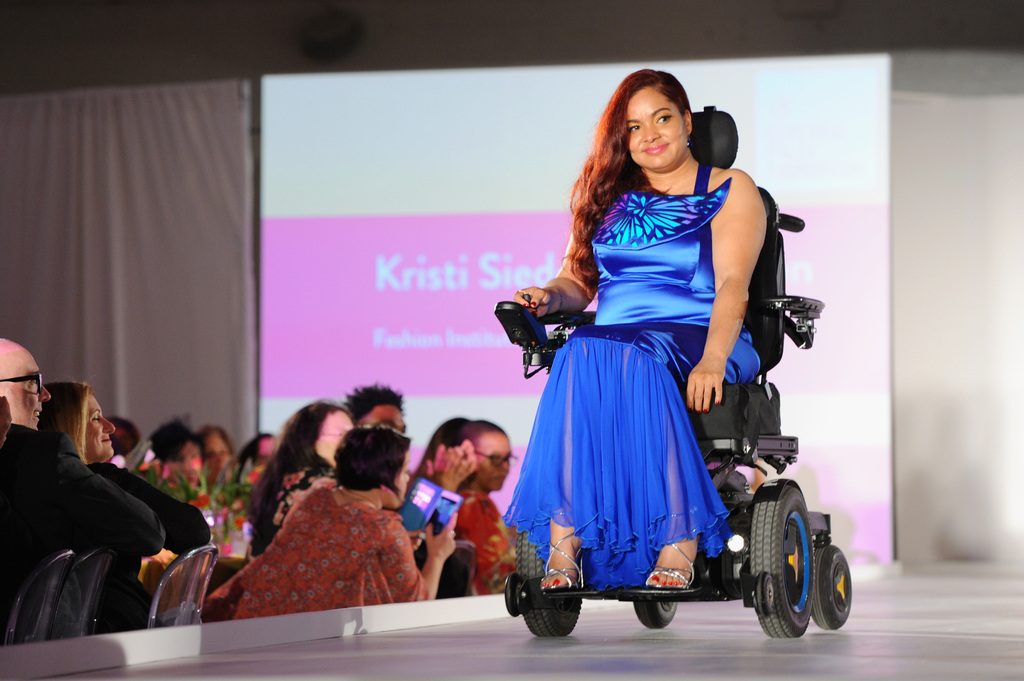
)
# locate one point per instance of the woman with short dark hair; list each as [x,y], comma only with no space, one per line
[341,547]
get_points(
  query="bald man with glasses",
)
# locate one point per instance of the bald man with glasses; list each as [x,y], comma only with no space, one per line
[49,499]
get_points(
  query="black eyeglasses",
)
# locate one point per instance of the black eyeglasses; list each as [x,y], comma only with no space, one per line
[34,382]
[499,459]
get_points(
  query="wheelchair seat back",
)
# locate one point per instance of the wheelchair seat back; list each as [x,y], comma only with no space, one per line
[715,142]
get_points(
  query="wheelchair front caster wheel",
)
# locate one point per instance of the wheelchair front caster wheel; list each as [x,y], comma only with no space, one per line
[512,586]
[655,614]
[833,589]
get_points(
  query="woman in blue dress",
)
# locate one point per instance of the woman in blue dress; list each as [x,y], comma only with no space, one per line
[613,488]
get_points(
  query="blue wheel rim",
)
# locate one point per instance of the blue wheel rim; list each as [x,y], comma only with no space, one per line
[805,559]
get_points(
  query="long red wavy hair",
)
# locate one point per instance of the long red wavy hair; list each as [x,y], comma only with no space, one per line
[609,170]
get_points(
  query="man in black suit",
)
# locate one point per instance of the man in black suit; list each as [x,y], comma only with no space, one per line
[49,499]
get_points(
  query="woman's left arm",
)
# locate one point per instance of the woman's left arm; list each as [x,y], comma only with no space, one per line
[737,234]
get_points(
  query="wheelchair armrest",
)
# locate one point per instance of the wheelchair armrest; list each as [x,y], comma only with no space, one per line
[790,223]
[569,320]
[521,327]
[795,305]
[528,332]
[800,314]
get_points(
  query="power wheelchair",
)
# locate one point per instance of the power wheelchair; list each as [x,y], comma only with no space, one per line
[780,560]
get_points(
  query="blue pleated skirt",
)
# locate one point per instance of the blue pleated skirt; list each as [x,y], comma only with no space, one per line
[613,453]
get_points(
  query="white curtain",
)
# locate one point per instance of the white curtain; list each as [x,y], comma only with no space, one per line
[126,247]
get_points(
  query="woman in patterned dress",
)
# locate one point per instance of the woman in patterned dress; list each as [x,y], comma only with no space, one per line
[340,546]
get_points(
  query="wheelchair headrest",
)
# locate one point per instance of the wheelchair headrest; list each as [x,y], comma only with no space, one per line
[714,140]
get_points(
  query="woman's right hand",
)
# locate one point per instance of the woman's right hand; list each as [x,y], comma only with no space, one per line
[540,300]
[442,544]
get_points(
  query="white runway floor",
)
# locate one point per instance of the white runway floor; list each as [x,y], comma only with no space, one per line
[956,623]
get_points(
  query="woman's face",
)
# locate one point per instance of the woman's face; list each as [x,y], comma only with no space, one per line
[216,453]
[98,430]
[494,458]
[332,431]
[658,132]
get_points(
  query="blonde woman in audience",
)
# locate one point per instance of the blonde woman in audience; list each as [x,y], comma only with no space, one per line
[73,409]
[341,546]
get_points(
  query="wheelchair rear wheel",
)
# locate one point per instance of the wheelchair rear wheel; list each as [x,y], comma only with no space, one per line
[557,621]
[833,589]
[654,614]
[781,560]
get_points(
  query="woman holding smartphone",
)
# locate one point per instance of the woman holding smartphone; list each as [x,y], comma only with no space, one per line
[341,546]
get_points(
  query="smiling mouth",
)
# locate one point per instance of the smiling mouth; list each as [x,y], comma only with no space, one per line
[656,149]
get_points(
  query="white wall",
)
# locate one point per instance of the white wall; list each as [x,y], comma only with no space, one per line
[958,244]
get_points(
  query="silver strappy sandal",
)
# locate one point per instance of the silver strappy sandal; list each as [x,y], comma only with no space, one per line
[675,573]
[572,574]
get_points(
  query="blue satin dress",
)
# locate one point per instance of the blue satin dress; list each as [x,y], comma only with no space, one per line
[612,452]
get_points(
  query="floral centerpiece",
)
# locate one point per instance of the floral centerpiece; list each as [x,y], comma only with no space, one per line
[225,503]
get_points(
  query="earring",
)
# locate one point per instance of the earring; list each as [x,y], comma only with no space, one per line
[689,141]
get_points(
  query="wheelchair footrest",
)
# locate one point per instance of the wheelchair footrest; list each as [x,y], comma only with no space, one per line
[631,594]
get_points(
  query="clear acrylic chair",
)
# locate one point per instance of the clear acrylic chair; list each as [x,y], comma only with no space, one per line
[81,595]
[33,608]
[179,597]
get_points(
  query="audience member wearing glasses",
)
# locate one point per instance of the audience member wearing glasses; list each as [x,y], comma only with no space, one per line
[74,410]
[303,459]
[479,519]
[341,546]
[63,504]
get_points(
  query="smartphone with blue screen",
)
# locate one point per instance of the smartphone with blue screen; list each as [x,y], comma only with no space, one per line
[420,503]
[447,506]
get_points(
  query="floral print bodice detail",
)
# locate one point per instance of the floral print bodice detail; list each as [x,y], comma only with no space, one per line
[640,219]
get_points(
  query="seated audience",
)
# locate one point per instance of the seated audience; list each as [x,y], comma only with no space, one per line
[74,410]
[304,456]
[479,519]
[47,487]
[341,547]
[176,447]
[254,457]
[218,453]
[370,404]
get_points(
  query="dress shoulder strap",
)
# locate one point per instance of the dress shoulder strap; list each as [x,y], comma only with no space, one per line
[703,177]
